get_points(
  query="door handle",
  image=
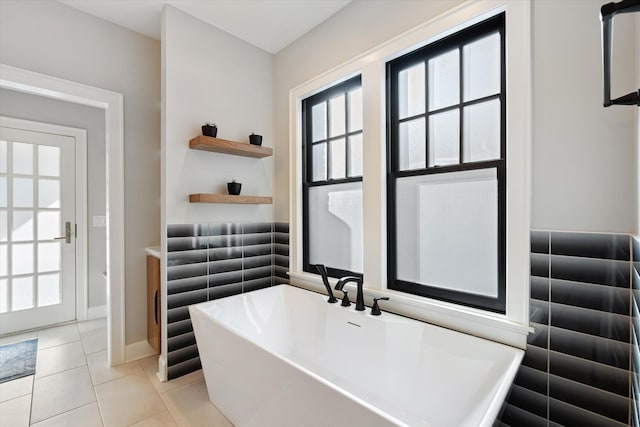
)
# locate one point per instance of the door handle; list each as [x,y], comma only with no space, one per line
[67,233]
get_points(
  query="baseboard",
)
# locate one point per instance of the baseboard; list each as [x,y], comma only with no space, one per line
[97,312]
[138,350]
[162,369]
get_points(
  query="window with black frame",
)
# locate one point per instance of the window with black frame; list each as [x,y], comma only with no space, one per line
[447,168]
[332,179]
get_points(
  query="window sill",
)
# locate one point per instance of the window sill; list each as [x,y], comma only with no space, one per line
[494,327]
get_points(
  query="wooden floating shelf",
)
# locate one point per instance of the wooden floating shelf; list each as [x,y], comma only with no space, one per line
[208,143]
[228,198]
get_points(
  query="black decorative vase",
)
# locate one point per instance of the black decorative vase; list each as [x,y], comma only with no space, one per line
[255,139]
[234,188]
[208,130]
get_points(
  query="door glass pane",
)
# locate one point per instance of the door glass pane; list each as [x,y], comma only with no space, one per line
[3,156]
[4,296]
[22,158]
[338,159]
[4,260]
[320,162]
[22,226]
[355,155]
[444,80]
[411,91]
[412,149]
[319,122]
[48,160]
[48,193]
[335,226]
[22,258]
[336,116]
[481,139]
[48,256]
[355,110]
[21,293]
[22,192]
[444,220]
[482,67]
[48,289]
[3,191]
[4,226]
[49,225]
[444,138]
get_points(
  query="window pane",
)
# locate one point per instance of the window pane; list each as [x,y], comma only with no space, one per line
[335,226]
[411,91]
[338,159]
[3,191]
[4,260]
[482,131]
[48,160]
[22,158]
[48,256]
[319,122]
[445,221]
[320,162]
[22,258]
[355,110]
[22,226]
[49,225]
[48,289]
[4,227]
[4,296]
[355,155]
[412,147]
[22,192]
[482,67]
[3,156]
[444,80]
[444,138]
[21,293]
[48,193]
[336,116]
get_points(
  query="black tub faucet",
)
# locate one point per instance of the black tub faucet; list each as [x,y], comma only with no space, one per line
[360,295]
[325,279]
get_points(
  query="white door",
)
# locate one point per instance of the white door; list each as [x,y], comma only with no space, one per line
[37,229]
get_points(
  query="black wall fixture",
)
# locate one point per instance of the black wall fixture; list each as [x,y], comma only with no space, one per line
[607,12]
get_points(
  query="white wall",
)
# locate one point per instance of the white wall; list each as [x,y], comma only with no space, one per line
[54,39]
[30,107]
[210,75]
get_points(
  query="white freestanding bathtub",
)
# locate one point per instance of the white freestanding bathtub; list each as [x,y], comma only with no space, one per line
[282,356]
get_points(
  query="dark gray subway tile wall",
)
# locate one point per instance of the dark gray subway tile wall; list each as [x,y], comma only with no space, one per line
[576,370]
[211,261]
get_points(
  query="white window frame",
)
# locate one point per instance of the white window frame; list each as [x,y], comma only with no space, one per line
[510,328]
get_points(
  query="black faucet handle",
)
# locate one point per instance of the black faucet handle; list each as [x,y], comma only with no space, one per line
[375,310]
[345,299]
[322,270]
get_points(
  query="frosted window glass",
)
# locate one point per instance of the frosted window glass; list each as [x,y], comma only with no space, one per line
[22,158]
[412,144]
[3,191]
[355,155]
[447,231]
[444,138]
[48,160]
[444,80]
[49,225]
[22,192]
[48,290]
[338,159]
[22,258]
[48,256]
[481,73]
[48,193]
[3,157]
[319,120]
[335,226]
[411,91]
[4,226]
[21,293]
[4,260]
[355,110]
[4,296]
[320,162]
[481,140]
[22,226]
[336,116]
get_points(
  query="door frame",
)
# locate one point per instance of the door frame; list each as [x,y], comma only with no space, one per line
[80,138]
[113,105]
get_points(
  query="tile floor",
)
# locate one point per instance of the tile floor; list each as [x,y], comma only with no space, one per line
[73,386]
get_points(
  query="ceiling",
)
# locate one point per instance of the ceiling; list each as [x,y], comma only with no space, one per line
[268,24]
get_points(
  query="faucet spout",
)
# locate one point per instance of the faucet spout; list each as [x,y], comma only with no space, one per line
[360,293]
[325,279]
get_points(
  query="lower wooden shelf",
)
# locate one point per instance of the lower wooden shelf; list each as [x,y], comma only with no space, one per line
[228,198]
